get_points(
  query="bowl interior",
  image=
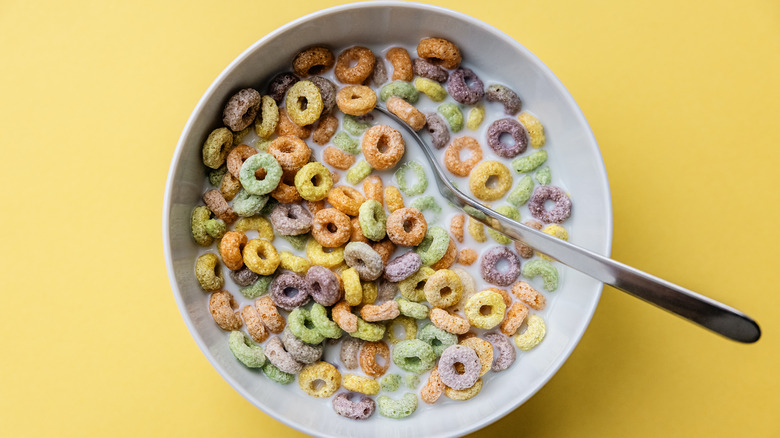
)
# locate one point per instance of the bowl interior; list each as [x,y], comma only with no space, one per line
[573,152]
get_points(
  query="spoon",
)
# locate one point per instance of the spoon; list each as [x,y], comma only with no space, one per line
[701,310]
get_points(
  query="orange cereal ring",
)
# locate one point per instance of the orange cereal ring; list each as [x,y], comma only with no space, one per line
[285,192]
[343,316]
[313,61]
[372,187]
[357,232]
[337,158]
[504,295]
[230,248]
[222,306]
[393,198]
[433,388]
[406,226]
[331,228]
[270,314]
[288,127]
[356,100]
[237,156]
[219,206]
[480,177]
[383,312]
[346,199]
[383,147]
[449,257]
[364,60]
[439,51]
[315,206]
[467,257]
[452,156]
[230,186]
[368,362]
[484,351]
[402,64]
[514,319]
[254,324]
[456,226]
[449,322]
[291,152]
[385,248]
[527,294]
[325,130]
[406,112]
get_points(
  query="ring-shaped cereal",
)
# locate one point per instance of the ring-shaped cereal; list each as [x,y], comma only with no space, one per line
[448,259]
[254,324]
[356,100]
[559,213]
[337,158]
[245,350]
[325,129]
[522,192]
[360,384]
[400,89]
[489,266]
[289,291]
[368,331]
[281,358]
[318,256]
[393,198]
[424,68]
[443,288]
[485,309]
[481,176]
[348,353]
[412,309]
[260,257]
[244,277]
[287,127]
[246,205]
[467,256]
[452,114]
[241,109]
[534,128]
[452,158]
[200,216]
[258,223]
[208,272]
[467,375]
[304,103]
[408,324]
[230,248]
[413,287]
[277,375]
[258,286]
[414,356]
[465,86]
[364,60]
[216,228]
[528,295]
[406,112]
[370,291]
[291,219]
[324,287]
[448,321]
[484,351]
[406,226]
[313,182]
[533,335]
[506,352]
[438,129]
[331,228]
[273,174]
[313,61]
[356,125]
[546,270]
[300,324]
[514,318]
[439,51]
[515,130]
[270,314]
[291,262]
[402,64]
[438,339]
[401,267]
[320,371]
[299,350]
[222,307]
[475,117]
[372,187]
[422,181]
[267,118]
[543,176]
[219,206]
[430,88]
[383,147]
[366,262]
[433,388]
[396,409]
[323,324]
[290,152]
[368,358]
[506,96]
[346,199]
[382,312]
[358,172]
[357,232]
[229,186]
[280,84]
[463,394]
[354,410]
[372,219]
[433,246]
[529,162]
[343,316]
[237,156]
[353,291]
[216,148]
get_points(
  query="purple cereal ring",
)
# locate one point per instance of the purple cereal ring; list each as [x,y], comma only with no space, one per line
[559,213]
[437,127]
[490,271]
[327,91]
[244,276]
[323,285]
[280,84]
[401,267]
[514,129]
[507,97]
[460,90]
[367,262]
[466,356]
[386,291]
[241,109]
[291,219]
[506,351]
[289,290]
[424,68]
[354,410]
[280,358]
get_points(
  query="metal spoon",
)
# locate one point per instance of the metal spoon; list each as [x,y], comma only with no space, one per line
[694,307]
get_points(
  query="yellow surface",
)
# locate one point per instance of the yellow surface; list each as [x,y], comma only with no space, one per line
[683,97]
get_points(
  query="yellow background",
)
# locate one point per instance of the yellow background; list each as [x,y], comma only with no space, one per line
[683,97]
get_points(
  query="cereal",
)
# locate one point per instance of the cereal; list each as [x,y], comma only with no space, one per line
[433,388]
[465,86]
[313,61]
[298,242]
[383,312]
[216,175]
[273,174]
[402,267]
[245,350]
[437,128]
[385,248]
[462,378]
[237,156]
[543,176]
[505,96]
[372,220]
[412,288]
[437,338]
[386,290]
[379,75]
[279,85]
[327,91]
[363,385]
[467,257]
[452,115]
[356,125]
[507,126]
[337,158]
[522,249]
[452,158]
[506,352]
[357,232]
[412,381]
[559,213]
[406,112]
[364,60]
[215,228]
[522,193]
[414,356]
[300,350]
[447,260]
[280,358]
[353,291]
[368,331]
[323,285]
[354,410]
[370,291]
[424,68]
[480,181]
[217,147]
[534,128]
[368,354]
[313,182]
[433,246]
[402,64]
[291,219]
[245,204]
[270,314]
[349,351]
[358,172]
[546,270]
[430,88]
[485,309]
[323,324]
[267,118]
[439,51]
[509,212]
[356,100]
[412,309]
[465,394]
[318,256]
[484,350]
[285,192]
[200,215]
[533,335]
[475,117]
[449,322]
[409,328]
[208,272]
[343,141]
[477,230]
[290,152]
[277,375]
[244,277]
[528,295]
[397,409]
[254,324]
[393,198]
[391,382]
[241,109]
[230,248]
[489,267]
[530,162]
[407,227]
[428,203]
[257,287]
[514,318]
[456,226]
[219,206]
[222,307]
[419,172]
[364,260]
[382,147]
[403,90]
[319,372]
[327,126]
[372,187]
[443,288]
[230,186]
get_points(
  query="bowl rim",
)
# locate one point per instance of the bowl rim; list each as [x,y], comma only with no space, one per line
[207,95]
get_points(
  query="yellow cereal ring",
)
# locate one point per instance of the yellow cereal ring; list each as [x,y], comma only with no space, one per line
[260,257]
[363,385]
[484,351]
[485,309]
[394,199]
[304,103]
[477,230]
[262,225]
[291,262]
[313,181]
[208,272]
[533,335]
[409,287]
[409,329]
[430,88]
[443,288]
[370,292]
[556,231]
[353,291]
[463,394]
[318,256]
[534,128]
[322,371]
[475,118]
[267,118]
[478,180]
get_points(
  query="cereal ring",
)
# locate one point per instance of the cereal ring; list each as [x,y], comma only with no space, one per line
[229,187]
[217,147]
[277,375]
[346,143]
[358,172]
[257,223]
[241,109]
[533,335]
[456,226]
[318,256]
[349,351]
[437,338]
[290,152]
[364,260]
[412,309]
[412,288]
[402,64]
[397,409]
[208,272]
[279,85]
[543,176]
[475,118]
[383,312]
[230,248]
[379,75]
[559,213]
[469,286]
[372,187]
[433,388]
[319,372]
[323,285]
[363,385]
[528,295]
[477,230]
[414,356]
[323,324]
[522,193]
[273,174]
[313,182]
[200,215]
[356,100]
[466,375]
[245,350]
[243,277]
[504,95]
[465,86]
[237,156]
[280,358]
[258,287]
[430,88]
[433,246]
[216,228]
[409,326]
[291,219]
[313,61]
[467,256]
[354,410]
[267,118]
[443,288]
[357,232]
[507,126]
[370,292]
[393,198]
[504,295]
[546,270]
[353,291]
[439,51]
[530,162]
[364,60]
[325,130]
[425,69]
[372,220]
[299,350]
[304,103]
[246,205]
[337,158]
[407,227]
[440,134]
[489,266]
[406,112]
[383,147]
[452,156]
[402,267]
[385,248]
[368,331]
[506,352]
[223,307]
[386,290]
[368,361]
[287,127]
[448,258]
[534,128]
[514,319]
[448,321]
[254,324]
[302,326]
[217,204]
[391,382]
[452,115]
[465,394]
[419,172]
[216,175]
[289,290]
[355,125]
[509,212]
[489,170]
[484,350]
[270,314]
[400,89]
[485,309]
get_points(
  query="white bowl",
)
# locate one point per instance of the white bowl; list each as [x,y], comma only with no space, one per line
[572,148]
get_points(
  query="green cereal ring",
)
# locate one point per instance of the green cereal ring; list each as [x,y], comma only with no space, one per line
[267,119]
[323,324]
[247,351]
[412,309]
[397,409]
[433,246]
[354,126]
[545,269]
[298,242]
[304,103]
[404,90]
[258,288]
[343,141]
[216,175]
[414,356]
[301,325]
[409,326]
[430,88]
[412,381]
[422,181]
[411,287]
[391,382]
[522,193]
[245,204]
[372,218]
[272,169]
[208,272]
[510,212]
[358,172]
[216,148]
[452,115]
[428,203]
[313,182]
[476,116]
[216,228]
[277,375]
[201,215]
[530,162]
[543,176]
[437,338]
[368,331]
[532,335]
